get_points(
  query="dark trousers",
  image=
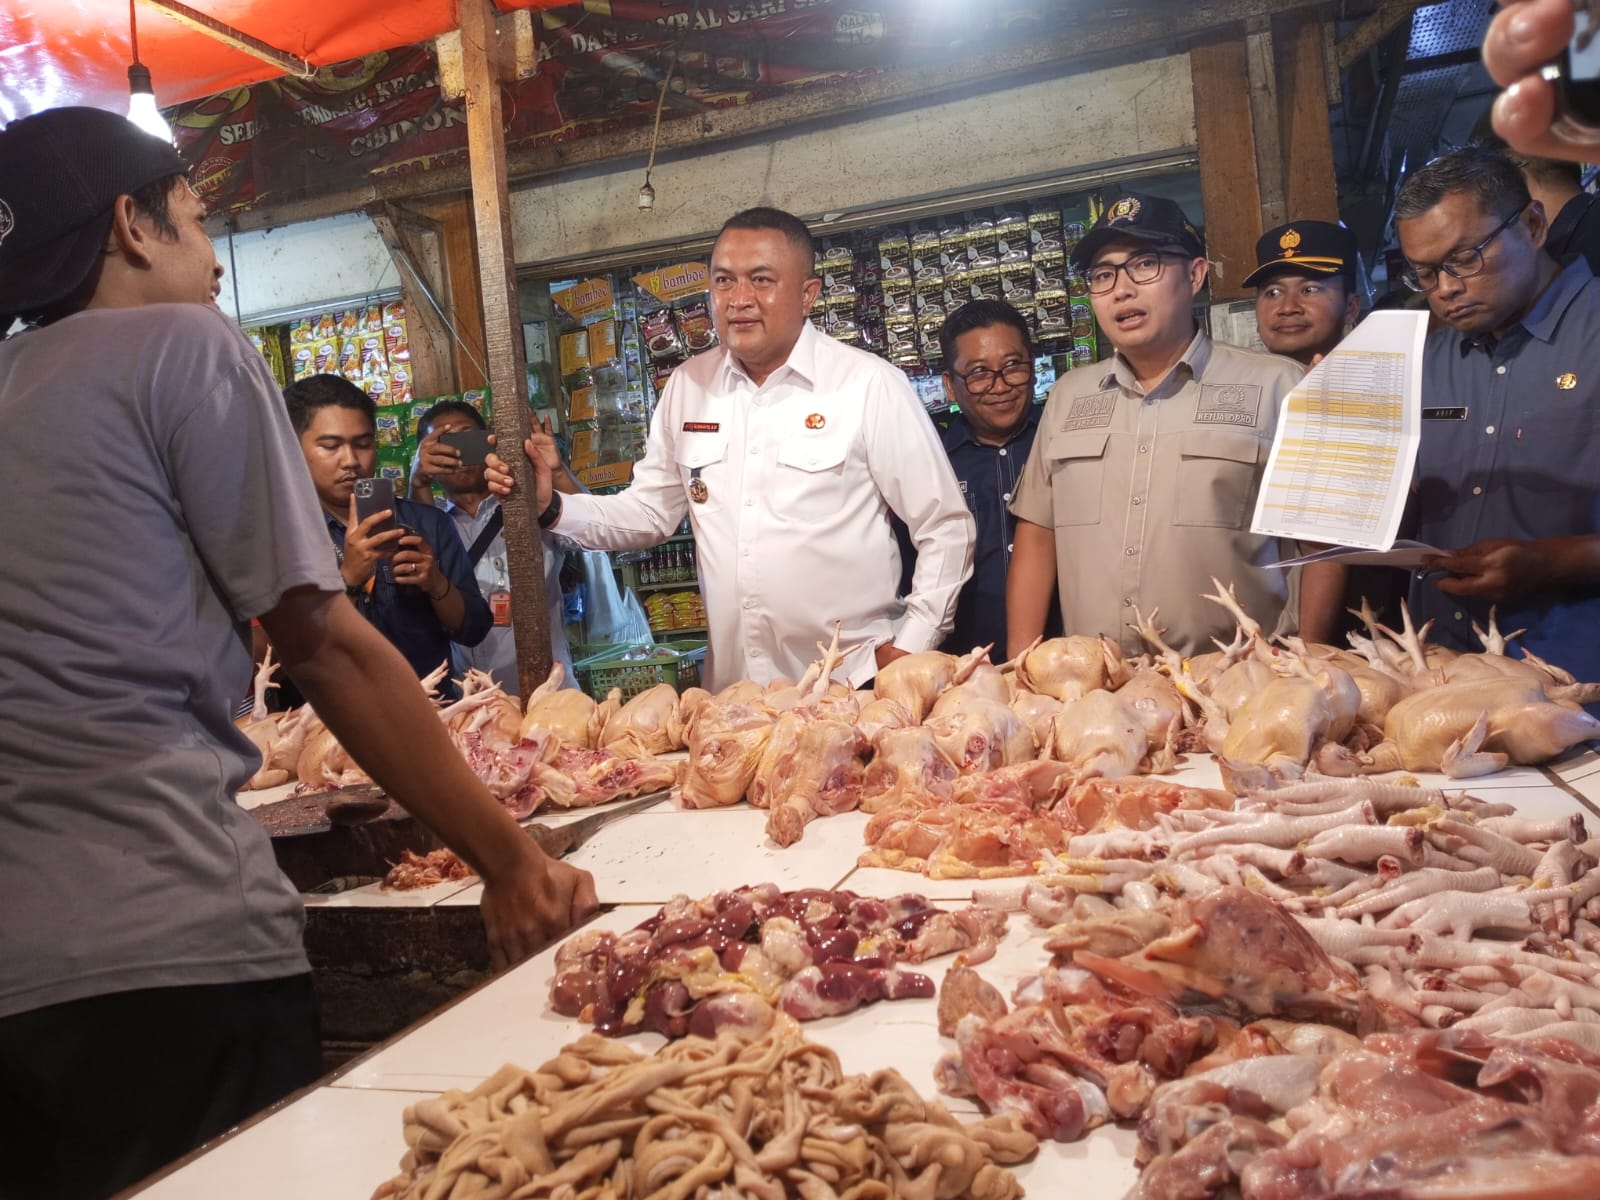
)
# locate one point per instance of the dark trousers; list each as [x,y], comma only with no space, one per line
[95,1094]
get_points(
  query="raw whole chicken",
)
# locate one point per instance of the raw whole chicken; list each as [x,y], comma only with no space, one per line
[878,715]
[978,733]
[1068,667]
[916,680]
[724,754]
[907,765]
[1161,710]
[1101,736]
[1038,712]
[565,712]
[1430,730]
[822,777]
[647,724]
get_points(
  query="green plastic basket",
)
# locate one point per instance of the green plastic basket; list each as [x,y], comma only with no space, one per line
[599,673]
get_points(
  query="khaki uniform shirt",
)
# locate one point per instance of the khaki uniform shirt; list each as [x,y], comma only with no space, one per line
[1150,495]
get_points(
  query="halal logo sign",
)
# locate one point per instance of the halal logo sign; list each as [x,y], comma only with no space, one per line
[7,221]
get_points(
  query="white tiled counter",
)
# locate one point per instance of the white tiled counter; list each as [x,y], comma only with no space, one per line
[344,1138]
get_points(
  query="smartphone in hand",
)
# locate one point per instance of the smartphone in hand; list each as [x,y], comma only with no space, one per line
[472,444]
[1576,78]
[375,496]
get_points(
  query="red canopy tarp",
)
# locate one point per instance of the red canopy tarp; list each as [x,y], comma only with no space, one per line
[55,52]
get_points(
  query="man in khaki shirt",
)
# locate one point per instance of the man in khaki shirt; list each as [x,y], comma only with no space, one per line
[1143,478]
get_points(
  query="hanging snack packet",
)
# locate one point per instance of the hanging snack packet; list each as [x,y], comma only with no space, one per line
[695,328]
[661,337]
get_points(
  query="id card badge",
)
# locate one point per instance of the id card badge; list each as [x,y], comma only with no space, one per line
[500,606]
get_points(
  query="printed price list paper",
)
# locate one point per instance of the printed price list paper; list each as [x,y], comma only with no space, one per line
[1346,445]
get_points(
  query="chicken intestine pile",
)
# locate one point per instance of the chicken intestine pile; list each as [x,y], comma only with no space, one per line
[564,750]
[765,1116]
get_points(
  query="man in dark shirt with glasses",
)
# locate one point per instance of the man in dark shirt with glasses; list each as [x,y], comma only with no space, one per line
[988,376]
[1505,479]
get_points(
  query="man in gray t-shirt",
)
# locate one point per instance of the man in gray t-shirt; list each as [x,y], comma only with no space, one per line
[157,502]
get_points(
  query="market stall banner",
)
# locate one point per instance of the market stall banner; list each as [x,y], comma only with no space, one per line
[600,69]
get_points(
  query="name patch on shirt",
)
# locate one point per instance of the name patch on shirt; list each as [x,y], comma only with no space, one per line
[702,426]
[1444,414]
[1228,404]
[1091,412]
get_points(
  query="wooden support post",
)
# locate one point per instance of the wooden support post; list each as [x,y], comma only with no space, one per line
[491,213]
[1230,188]
[1311,190]
[463,282]
[1260,53]
[413,242]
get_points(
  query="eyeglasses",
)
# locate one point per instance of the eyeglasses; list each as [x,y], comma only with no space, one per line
[1144,267]
[1463,264]
[980,381]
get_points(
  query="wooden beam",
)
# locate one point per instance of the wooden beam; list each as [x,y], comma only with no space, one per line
[463,299]
[1372,30]
[190,18]
[413,244]
[1311,190]
[1260,55]
[491,214]
[1229,187]
[1082,47]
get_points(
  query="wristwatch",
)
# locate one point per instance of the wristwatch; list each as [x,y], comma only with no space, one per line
[552,512]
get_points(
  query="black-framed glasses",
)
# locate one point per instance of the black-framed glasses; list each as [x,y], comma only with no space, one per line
[1463,264]
[1144,267]
[980,381]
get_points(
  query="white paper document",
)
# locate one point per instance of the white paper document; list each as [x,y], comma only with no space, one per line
[1346,445]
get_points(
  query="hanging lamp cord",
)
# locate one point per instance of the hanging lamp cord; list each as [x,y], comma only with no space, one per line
[661,102]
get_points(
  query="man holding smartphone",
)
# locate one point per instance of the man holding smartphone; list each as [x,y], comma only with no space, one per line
[404,567]
[457,467]
[148,940]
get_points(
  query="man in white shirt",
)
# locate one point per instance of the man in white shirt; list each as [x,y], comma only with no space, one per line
[788,451]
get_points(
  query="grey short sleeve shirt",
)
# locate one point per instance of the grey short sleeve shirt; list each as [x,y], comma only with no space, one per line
[157,500]
[1151,494]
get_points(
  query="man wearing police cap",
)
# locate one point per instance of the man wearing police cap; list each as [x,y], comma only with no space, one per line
[153,986]
[1305,282]
[1142,480]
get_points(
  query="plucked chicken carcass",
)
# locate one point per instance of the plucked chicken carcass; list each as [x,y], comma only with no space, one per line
[821,776]
[1438,729]
[279,737]
[566,712]
[1038,712]
[724,752]
[979,733]
[907,764]
[916,680]
[1100,736]
[647,724]
[1068,667]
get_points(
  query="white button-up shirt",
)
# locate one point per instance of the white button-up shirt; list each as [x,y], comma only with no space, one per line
[497,653]
[800,476]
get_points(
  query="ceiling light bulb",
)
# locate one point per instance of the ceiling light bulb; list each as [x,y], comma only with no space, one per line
[647,197]
[142,108]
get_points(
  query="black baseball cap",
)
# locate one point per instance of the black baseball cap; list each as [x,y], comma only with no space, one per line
[61,172]
[1153,219]
[1314,248]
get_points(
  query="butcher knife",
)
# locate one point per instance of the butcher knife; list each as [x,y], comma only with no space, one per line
[561,840]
